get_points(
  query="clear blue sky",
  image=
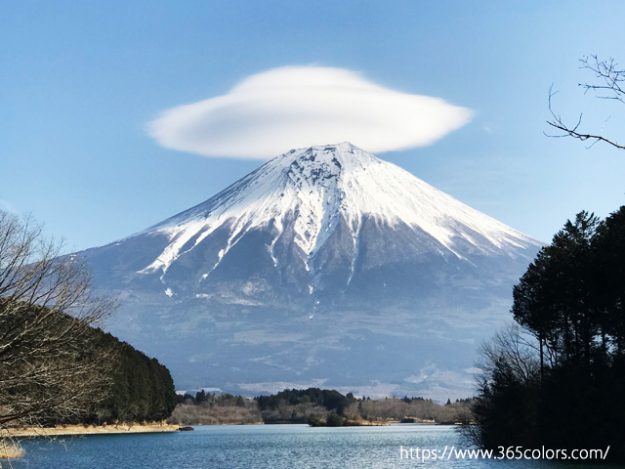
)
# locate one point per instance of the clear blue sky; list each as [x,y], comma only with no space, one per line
[80,80]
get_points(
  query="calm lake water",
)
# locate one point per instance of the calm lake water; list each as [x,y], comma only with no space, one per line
[256,446]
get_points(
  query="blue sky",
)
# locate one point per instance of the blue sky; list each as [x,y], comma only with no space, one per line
[79,81]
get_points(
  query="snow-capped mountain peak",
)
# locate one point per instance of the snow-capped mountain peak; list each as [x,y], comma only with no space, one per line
[317,188]
[326,264]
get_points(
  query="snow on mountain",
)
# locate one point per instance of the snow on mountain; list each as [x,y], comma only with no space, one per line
[320,258]
[323,185]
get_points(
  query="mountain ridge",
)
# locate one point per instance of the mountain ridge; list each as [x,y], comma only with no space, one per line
[316,239]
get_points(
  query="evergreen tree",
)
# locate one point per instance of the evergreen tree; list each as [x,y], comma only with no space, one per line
[571,300]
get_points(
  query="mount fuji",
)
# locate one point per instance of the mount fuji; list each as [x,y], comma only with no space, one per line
[326,266]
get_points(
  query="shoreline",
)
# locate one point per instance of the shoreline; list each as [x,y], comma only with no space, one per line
[158,427]
[78,430]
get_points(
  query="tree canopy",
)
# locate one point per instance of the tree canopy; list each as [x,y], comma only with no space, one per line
[55,366]
[563,370]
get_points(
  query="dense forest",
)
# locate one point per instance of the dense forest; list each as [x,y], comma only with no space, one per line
[558,379]
[55,365]
[141,388]
[132,386]
[316,407]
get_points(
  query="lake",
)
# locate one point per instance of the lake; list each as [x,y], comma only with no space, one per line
[258,446]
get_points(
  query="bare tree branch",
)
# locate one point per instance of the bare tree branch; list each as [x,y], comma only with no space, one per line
[607,72]
[50,365]
[611,83]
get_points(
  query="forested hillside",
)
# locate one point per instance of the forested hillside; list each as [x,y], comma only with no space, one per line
[141,388]
[55,365]
[129,387]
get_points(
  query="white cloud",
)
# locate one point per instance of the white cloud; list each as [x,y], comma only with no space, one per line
[290,107]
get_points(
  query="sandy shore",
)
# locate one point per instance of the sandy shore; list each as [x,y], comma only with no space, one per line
[67,430]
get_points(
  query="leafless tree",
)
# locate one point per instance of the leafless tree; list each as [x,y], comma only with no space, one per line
[519,351]
[609,84]
[50,365]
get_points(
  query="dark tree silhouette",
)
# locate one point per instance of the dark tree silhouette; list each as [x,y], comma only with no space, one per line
[569,376]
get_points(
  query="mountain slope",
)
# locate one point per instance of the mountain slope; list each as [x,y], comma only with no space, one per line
[325,244]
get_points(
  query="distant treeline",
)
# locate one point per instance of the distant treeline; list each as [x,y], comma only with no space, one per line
[559,380]
[204,408]
[300,404]
[316,407]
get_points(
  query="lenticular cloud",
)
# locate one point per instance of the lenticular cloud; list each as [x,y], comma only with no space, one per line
[290,107]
